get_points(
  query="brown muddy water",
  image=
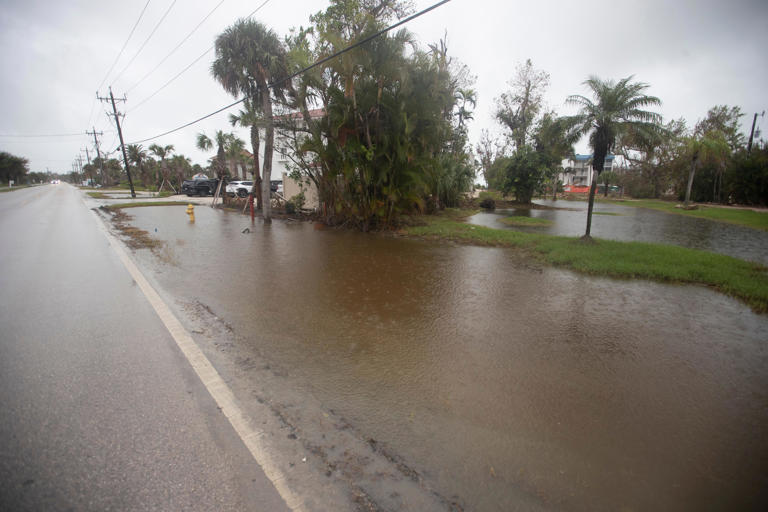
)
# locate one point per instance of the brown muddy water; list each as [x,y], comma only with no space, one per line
[499,382]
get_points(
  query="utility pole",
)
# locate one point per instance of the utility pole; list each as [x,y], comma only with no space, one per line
[98,153]
[752,133]
[120,134]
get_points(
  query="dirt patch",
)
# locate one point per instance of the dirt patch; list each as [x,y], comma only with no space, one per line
[133,237]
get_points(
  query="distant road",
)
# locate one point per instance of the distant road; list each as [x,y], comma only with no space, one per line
[99,410]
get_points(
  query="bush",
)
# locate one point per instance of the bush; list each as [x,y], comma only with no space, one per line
[488,204]
[295,204]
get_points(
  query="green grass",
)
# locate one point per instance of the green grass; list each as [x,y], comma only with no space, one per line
[748,218]
[612,214]
[98,195]
[15,187]
[634,260]
[518,220]
[121,206]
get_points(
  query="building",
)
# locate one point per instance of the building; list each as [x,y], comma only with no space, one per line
[577,172]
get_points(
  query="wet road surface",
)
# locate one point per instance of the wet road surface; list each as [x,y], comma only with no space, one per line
[98,408]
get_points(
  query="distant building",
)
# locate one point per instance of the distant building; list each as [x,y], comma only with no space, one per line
[578,172]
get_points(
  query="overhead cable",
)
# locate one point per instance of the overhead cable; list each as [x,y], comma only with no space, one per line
[145,42]
[124,45]
[304,70]
[166,84]
[176,48]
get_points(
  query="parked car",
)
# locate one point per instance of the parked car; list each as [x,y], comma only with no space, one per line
[199,185]
[239,188]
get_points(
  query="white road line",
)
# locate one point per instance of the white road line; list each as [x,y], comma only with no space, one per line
[210,378]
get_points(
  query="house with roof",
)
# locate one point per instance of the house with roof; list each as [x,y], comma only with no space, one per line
[577,172]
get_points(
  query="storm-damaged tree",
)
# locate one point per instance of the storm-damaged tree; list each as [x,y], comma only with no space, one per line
[617,107]
[250,60]
[519,107]
[710,146]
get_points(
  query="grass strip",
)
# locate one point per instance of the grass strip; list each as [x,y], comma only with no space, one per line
[518,220]
[121,206]
[742,217]
[98,195]
[737,278]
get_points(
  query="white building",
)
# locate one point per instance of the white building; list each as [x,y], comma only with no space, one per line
[578,172]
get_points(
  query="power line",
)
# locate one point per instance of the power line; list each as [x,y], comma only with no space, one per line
[124,45]
[166,84]
[304,70]
[177,47]
[145,41]
[43,135]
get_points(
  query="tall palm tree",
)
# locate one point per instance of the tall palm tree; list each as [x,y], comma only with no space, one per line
[250,116]
[136,156]
[249,57]
[163,152]
[618,107]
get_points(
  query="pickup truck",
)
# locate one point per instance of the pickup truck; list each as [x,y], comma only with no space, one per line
[199,186]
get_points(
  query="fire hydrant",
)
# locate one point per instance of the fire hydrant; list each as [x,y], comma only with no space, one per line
[191,212]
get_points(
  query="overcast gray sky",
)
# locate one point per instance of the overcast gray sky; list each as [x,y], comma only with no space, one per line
[55,55]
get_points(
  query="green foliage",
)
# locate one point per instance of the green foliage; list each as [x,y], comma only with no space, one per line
[12,168]
[392,136]
[295,203]
[746,179]
[525,173]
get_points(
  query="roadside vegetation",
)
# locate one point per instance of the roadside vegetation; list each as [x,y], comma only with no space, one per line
[525,221]
[636,260]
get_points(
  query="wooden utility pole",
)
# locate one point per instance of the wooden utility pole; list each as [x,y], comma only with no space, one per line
[752,133]
[120,134]
[98,153]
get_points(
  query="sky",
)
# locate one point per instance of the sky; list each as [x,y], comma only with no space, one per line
[55,56]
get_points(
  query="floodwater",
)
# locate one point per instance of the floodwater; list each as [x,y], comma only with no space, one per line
[626,223]
[501,383]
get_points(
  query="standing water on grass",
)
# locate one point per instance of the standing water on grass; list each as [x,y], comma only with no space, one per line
[501,383]
[626,223]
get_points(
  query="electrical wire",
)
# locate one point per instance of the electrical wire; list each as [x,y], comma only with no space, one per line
[177,47]
[304,70]
[124,45]
[145,42]
[166,84]
[43,135]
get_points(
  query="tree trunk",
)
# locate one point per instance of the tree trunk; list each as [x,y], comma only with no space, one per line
[598,161]
[269,141]
[690,183]
[256,188]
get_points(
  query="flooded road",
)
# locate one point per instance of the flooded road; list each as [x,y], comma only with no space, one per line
[501,383]
[627,223]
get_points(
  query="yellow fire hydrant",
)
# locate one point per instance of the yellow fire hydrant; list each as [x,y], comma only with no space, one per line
[191,212]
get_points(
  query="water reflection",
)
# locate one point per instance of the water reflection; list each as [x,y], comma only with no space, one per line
[626,223]
[509,386]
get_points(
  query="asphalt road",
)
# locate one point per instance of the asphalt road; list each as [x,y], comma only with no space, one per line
[99,410]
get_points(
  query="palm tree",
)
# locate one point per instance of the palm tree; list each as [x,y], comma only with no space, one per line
[249,56]
[250,116]
[182,165]
[162,152]
[136,155]
[617,108]
[220,140]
